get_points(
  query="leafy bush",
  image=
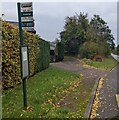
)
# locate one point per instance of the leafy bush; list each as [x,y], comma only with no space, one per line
[59,51]
[87,61]
[90,49]
[11,74]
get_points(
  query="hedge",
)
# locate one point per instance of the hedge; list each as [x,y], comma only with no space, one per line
[59,51]
[43,58]
[11,54]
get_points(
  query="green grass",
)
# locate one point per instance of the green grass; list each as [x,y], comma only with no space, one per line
[43,90]
[0,107]
[108,63]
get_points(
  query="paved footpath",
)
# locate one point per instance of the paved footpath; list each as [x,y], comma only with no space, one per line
[107,95]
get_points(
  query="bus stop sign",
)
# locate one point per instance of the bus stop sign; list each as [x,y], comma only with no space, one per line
[25,61]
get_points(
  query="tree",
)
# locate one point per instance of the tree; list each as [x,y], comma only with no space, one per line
[102,32]
[78,30]
[74,34]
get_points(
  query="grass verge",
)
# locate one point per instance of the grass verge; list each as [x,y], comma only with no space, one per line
[107,63]
[44,91]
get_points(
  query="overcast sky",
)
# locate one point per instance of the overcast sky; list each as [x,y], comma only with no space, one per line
[50,17]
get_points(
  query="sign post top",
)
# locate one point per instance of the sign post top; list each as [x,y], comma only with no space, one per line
[26,4]
[26,16]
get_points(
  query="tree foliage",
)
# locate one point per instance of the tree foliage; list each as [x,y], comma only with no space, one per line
[78,30]
[102,31]
[74,33]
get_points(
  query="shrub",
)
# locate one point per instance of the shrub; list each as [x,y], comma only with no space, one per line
[43,57]
[59,52]
[88,61]
[90,49]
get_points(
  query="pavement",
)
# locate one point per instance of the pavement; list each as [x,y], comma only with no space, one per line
[72,64]
[108,107]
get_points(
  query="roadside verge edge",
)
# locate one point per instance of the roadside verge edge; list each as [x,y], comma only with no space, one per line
[91,100]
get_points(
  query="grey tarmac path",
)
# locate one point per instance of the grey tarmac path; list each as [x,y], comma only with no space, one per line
[107,95]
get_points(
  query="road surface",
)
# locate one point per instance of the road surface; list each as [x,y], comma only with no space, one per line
[107,96]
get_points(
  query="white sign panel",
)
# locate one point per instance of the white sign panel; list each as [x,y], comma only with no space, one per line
[25,66]
[27,9]
[24,19]
[28,28]
[24,55]
[26,4]
[27,16]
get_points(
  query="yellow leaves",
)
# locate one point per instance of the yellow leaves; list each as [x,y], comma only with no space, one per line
[50,101]
[10,56]
[100,83]
[59,95]
[29,108]
[81,75]
[74,85]
[54,95]
[97,102]
[65,83]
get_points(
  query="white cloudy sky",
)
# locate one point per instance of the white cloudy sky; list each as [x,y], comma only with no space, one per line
[50,16]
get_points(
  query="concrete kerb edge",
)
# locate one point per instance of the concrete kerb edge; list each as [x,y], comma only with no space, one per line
[91,100]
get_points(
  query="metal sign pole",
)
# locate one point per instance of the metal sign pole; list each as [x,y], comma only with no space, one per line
[22,43]
[20,24]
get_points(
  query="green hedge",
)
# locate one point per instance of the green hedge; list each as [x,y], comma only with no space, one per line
[11,54]
[59,51]
[43,58]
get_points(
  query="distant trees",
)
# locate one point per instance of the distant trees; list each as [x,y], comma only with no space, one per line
[74,33]
[81,35]
[102,31]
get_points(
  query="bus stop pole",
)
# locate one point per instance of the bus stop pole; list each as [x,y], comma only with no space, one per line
[22,43]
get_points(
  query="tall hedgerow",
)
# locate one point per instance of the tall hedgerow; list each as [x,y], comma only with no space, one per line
[11,54]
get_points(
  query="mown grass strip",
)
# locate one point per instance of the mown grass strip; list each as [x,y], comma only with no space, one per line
[44,88]
[108,63]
